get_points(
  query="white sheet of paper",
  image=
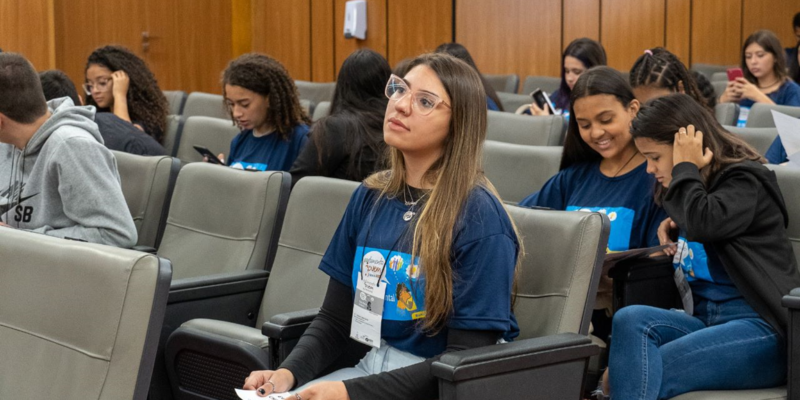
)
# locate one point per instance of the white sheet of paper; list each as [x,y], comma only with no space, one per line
[251,395]
[789,131]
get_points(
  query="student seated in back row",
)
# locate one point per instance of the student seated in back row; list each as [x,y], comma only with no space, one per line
[262,100]
[348,143]
[61,180]
[117,133]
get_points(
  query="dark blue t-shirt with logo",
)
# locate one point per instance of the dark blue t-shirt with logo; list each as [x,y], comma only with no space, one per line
[627,200]
[268,152]
[483,256]
[704,271]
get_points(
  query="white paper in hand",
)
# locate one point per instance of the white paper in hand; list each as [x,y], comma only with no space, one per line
[251,395]
[789,131]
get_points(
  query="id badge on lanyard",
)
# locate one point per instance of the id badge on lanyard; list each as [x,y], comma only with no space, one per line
[680,279]
[365,326]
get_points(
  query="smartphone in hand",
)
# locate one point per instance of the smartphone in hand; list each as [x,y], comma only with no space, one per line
[205,152]
[542,100]
[734,73]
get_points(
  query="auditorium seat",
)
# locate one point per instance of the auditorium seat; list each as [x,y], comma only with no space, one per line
[525,129]
[208,357]
[77,320]
[223,220]
[206,105]
[174,126]
[176,100]
[307,106]
[512,101]
[147,184]
[556,288]
[727,113]
[759,138]
[517,171]
[721,76]
[761,114]
[321,110]
[314,91]
[719,88]
[503,83]
[213,133]
[547,83]
[789,182]
[709,69]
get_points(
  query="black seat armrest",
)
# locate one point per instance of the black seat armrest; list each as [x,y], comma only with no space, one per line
[204,287]
[289,325]
[509,357]
[792,302]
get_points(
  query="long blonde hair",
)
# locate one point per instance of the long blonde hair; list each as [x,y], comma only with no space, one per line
[455,175]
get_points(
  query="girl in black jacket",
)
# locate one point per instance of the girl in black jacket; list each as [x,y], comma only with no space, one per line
[731,333]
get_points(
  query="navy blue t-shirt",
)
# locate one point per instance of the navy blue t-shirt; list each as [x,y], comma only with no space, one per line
[704,271]
[268,152]
[491,105]
[627,200]
[484,253]
[788,94]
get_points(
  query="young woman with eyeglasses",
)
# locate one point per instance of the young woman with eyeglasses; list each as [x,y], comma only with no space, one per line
[429,236]
[262,100]
[118,81]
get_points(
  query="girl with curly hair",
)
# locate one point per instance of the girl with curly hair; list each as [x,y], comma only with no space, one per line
[118,81]
[262,101]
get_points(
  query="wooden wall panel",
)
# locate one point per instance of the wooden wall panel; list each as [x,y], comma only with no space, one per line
[83,25]
[679,28]
[775,15]
[620,18]
[322,42]
[716,31]
[242,27]
[376,31]
[520,46]
[581,19]
[282,29]
[418,26]
[27,28]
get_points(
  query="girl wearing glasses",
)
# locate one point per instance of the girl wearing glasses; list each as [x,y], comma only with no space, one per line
[262,101]
[427,241]
[118,81]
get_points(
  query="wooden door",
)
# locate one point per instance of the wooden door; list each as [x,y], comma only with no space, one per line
[27,28]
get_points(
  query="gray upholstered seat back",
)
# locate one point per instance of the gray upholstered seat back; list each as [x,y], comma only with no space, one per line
[174,125]
[761,115]
[308,106]
[205,104]
[315,209]
[517,171]
[557,283]
[525,129]
[789,182]
[719,88]
[759,138]
[223,220]
[503,83]
[176,100]
[512,101]
[77,320]
[322,110]
[314,91]
[547,83]
[709,69]
[721,76]
[146,185]
[727,113]
[213,133]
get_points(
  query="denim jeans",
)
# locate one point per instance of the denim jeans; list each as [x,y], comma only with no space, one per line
[659,354]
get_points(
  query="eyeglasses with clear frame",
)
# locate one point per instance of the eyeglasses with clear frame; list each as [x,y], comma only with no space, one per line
[423,102]
[101,84]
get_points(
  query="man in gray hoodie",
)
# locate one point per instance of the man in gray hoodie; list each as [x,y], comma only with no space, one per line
[56,177]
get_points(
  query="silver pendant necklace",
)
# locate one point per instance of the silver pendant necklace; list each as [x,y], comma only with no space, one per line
[408,215]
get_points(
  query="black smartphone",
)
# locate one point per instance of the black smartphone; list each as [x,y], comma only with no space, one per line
[204,151]
[542,100]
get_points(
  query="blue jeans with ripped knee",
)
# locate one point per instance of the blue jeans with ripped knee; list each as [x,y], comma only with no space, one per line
[659,354]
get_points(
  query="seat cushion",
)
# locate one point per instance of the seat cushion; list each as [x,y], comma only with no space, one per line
[228,330]
[761,394]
